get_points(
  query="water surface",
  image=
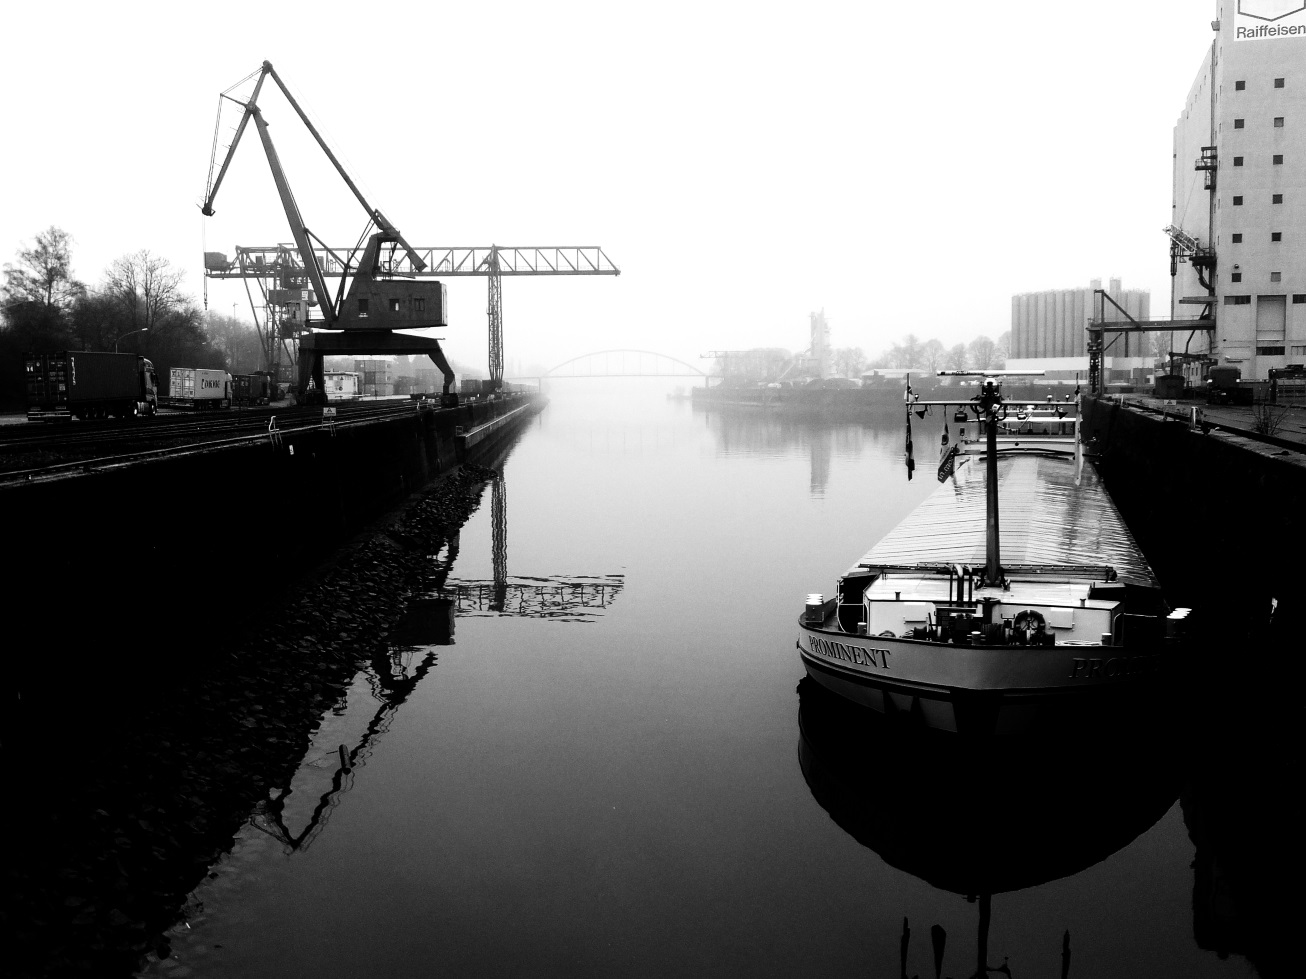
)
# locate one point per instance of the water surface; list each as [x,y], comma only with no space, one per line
[609,767]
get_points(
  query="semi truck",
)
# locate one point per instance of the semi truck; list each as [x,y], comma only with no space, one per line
[195,388]
[89,384]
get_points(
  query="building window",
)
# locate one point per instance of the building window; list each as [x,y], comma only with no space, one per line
[1276,236]
[1276,276]
[1298,349]
[1270,351]
[419,305]
[1299,297]
[1238,200]
[1278,83]
[1235,276]
[394,305]
[1237,300]
[1239,85]
[1237,124]
[1237,161]
[1237,237]
[1276,199]
[362,309]
[1278,159]
[1278,122]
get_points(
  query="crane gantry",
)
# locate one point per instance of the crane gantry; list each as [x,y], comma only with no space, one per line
[380,273]
[279,272]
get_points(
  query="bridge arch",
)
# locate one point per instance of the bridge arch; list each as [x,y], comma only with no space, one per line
[680,368]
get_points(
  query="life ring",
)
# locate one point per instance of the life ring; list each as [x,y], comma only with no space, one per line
[1029,621]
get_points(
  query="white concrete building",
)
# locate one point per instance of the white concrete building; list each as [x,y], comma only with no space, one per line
[1240,188]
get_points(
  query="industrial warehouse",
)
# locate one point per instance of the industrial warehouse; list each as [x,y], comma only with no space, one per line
[1237,244]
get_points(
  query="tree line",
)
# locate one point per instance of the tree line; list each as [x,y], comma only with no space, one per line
[138,305]
[982,353]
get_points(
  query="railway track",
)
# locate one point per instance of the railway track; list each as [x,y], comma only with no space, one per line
[43,451]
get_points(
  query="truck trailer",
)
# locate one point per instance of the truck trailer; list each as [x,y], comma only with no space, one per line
[89,384]
[195,388]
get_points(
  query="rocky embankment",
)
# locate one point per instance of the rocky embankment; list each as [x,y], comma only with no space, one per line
[124,809]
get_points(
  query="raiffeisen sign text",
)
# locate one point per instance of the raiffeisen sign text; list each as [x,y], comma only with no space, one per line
[1265,20]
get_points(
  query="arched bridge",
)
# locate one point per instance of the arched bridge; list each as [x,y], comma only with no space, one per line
[625,363]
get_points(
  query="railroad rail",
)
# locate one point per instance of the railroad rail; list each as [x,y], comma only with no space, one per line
[39,452]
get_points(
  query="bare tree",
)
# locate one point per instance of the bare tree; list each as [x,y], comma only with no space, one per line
[911,351]
[849,361]
[956,359]
[1003,350]
[983,353]
[43,273]
[932,355]
[146,287]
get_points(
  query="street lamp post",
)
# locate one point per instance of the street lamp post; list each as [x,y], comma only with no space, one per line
[144,329]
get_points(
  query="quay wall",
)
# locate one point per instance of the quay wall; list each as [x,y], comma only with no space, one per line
[143,566]
[1221,518]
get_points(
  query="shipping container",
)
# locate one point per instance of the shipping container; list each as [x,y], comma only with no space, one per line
[197,388]
[341,385]
[89,384]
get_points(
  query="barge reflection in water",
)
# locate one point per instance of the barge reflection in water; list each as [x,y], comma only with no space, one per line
[979,817]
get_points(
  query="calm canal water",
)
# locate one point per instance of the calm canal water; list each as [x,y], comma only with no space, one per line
[620,774]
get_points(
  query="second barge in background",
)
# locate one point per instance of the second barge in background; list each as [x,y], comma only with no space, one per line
[931,623]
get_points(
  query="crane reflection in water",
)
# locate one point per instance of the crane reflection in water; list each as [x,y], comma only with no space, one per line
[296,813]
[972,817]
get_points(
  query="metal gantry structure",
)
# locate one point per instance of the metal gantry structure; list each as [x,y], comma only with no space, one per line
[279,272]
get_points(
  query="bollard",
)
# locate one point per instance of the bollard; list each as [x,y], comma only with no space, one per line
[344,760]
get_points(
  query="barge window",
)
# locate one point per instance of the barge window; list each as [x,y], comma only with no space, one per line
[1237,124]
[1276,236]
[1278,122]
[1237,161]
[1237,237]
[1278,159]
[1276,276]
[1276,199]
[362,309]
[1238,200]
[1235,276]
[1239,85]
[1278,83]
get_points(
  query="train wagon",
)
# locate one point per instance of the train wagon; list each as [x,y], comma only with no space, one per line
[251,389]
[89,384]
[196,389]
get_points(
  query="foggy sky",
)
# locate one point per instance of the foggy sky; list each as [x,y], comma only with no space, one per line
[907,168]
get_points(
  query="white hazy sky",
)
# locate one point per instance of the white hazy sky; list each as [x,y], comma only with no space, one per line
[905,167]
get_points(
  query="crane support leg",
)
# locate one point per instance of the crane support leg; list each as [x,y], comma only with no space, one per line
[495,311]
[313,347]
[438,358]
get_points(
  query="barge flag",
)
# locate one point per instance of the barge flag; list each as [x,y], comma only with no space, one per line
[948,464]
[911,463]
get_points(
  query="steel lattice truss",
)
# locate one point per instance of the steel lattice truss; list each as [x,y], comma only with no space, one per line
[255,262]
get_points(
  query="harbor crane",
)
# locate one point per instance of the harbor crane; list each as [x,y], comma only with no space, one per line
[377,303]
[383,292]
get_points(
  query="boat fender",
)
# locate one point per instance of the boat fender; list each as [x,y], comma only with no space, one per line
[888,634]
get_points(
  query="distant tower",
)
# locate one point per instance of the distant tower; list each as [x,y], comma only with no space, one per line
[821,344]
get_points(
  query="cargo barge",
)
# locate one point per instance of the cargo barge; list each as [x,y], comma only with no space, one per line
[933,625]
